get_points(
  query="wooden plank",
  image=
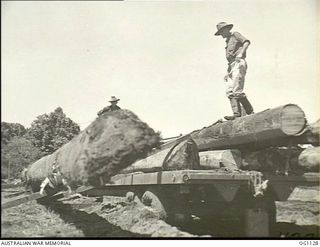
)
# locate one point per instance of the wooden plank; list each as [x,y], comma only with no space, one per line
[22,199]
[307,177]
[305,193]
[177,177]
[302,213]
[26,198]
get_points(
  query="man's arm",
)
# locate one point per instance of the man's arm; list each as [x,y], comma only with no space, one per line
[66,184]
[245,44]
[243,49]
[43,185]
[106,109]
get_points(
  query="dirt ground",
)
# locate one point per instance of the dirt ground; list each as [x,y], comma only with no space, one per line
[83,217]
[32,220]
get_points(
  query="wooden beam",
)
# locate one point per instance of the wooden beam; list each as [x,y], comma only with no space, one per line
[21,199]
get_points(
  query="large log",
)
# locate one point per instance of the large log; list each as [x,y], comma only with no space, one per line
[230,158]
[264,127]
[184,155]
[112,142]
[310,159]
[311,135]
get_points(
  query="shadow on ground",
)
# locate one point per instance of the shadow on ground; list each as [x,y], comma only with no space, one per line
[91,224]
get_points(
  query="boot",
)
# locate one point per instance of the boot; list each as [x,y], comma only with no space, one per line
[235,105]
[246,105]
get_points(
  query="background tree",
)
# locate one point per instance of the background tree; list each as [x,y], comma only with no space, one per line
[10,130]
[17,154]
[50,131]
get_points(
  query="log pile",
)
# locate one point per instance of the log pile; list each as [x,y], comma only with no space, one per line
[118,143]
[112,142]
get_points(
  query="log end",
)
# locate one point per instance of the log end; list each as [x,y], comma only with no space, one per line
[292,119]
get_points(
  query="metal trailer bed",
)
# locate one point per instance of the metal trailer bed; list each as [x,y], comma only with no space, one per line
[222,196]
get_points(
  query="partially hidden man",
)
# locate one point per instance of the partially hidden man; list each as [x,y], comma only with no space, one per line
[236,47]
[112,107]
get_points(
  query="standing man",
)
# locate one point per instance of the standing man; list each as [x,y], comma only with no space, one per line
[236,47]
[112,107]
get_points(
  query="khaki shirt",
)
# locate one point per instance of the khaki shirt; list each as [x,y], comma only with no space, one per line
[234,45]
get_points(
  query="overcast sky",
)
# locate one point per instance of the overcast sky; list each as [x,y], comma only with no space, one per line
[160,58]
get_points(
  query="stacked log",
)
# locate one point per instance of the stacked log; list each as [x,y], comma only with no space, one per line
[278,159]
[183,155]
[262,128]
[311,134]
[230,158]
[309,159]
[112,142]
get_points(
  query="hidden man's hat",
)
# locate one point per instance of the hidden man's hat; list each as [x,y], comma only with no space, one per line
[113,98]
[221,26]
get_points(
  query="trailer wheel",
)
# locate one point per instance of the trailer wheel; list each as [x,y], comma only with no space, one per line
[151,200]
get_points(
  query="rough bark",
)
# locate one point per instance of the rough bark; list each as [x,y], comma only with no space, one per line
[182,156]
[310,159]
[260,128]
[112,142]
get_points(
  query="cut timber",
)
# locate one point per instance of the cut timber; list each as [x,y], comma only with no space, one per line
[112,142]
[298,212]
[305,193]
[183,155]
[230,158]
[302,207]
[265,126]
[310,159]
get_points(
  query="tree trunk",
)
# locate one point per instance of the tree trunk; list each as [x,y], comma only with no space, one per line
[260,128]
[310,159]
[112,142]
